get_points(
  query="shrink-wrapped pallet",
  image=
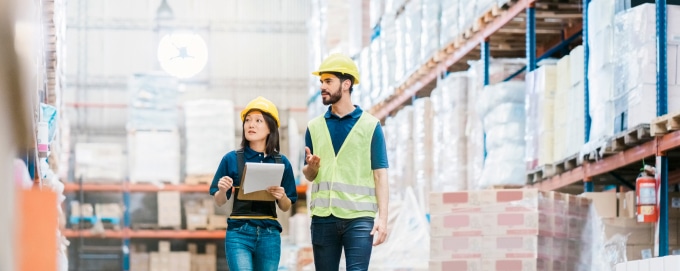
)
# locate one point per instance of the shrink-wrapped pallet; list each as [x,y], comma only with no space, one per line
[209,134]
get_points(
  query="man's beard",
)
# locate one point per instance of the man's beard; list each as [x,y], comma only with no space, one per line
[333,98]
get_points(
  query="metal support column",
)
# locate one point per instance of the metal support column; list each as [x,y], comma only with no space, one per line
[531,38]
[662,109]
[487,62]
[588,185]
[586,57]
[126,225]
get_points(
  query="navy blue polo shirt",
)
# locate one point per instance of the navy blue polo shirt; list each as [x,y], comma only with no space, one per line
[229,167]
[339,128]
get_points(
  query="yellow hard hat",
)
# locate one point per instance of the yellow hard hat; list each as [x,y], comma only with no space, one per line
[339,63]
[264,105]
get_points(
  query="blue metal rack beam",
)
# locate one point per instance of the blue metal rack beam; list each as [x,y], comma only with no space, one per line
[531,37]
[126,223]
[662,109]
[551,51]
[486,61]
[588,184]
[586,58]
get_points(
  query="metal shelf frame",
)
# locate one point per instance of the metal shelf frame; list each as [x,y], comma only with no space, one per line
[658,147]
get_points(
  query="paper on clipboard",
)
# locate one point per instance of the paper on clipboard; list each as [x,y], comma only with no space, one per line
[259,176]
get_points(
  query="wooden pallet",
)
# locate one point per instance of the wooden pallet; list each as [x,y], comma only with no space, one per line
[198,179]
[665,124]
[566,164]
[630,137]
[151,226]
[503,187]
[540,173]
[111,223]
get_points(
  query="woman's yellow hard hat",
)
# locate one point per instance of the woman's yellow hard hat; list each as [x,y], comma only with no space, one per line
[264,105]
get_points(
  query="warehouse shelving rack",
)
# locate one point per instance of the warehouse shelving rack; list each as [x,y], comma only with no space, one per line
[585,174]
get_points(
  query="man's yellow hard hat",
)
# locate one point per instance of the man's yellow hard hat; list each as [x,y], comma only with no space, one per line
[339,63]
[263,105]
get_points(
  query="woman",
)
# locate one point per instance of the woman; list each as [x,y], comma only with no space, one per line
[253,239]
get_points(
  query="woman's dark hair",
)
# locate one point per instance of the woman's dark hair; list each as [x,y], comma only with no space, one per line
[272,142]
[343,77]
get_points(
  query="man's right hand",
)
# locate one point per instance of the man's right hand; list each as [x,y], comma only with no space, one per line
[312,160]
[225,184]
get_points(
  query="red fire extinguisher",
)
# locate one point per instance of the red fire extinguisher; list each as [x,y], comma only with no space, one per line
[645,196]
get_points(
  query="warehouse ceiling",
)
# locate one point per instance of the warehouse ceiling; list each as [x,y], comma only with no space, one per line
[254,48]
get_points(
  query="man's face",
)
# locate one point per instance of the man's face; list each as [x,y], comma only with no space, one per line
[331,89]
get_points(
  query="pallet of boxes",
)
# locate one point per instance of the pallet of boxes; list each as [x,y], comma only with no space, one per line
[509,229]
[200,214]
[617,212]
[203,262]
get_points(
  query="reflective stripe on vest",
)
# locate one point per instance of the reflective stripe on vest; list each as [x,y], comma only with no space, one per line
[344,186]
[345,204]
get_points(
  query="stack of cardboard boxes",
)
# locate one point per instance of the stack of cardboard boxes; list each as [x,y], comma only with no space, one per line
[169,211]
[617,212]
[201,215]
[206,261]
[165,260]
[520,229]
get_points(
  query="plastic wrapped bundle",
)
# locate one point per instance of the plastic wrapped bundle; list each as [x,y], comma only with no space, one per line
[449,28]
[209,134]
[423,153]
[154,156]
[634,68]
[153,102]
[365,88]
[454,113]
[430,25]
[404,150]
[412,38]
[499,70]
[503,122]
[540,97]
[388,38]
[391,141]
[376,70]
[400,50]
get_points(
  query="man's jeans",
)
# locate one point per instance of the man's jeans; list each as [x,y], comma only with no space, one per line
[354,235]
[253,248]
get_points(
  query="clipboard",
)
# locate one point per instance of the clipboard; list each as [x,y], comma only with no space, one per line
[261,195]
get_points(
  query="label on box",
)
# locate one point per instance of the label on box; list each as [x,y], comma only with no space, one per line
[675,202]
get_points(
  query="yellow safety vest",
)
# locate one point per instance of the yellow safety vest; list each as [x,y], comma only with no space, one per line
[344,186]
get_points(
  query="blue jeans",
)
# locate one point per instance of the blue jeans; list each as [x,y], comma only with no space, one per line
[253,248]
[328,240]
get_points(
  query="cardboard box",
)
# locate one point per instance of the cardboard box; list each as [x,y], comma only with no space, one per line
[514,247]
[169,209]
[458,265]
[639,252]
[510,200]
[139,261]
[671,262]
[627,204]
[674,204]
[514,264]
[448,248]
[638,233]
[656,264]
[163,246]
[456,225]
[495,224]
[604,203]
[622,266]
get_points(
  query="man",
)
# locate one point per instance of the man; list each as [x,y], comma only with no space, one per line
[346,159]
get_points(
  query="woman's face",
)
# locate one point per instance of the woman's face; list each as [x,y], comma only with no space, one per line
[255,127]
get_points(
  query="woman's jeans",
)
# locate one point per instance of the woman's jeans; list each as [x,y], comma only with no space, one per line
[253,248]
[328,240]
